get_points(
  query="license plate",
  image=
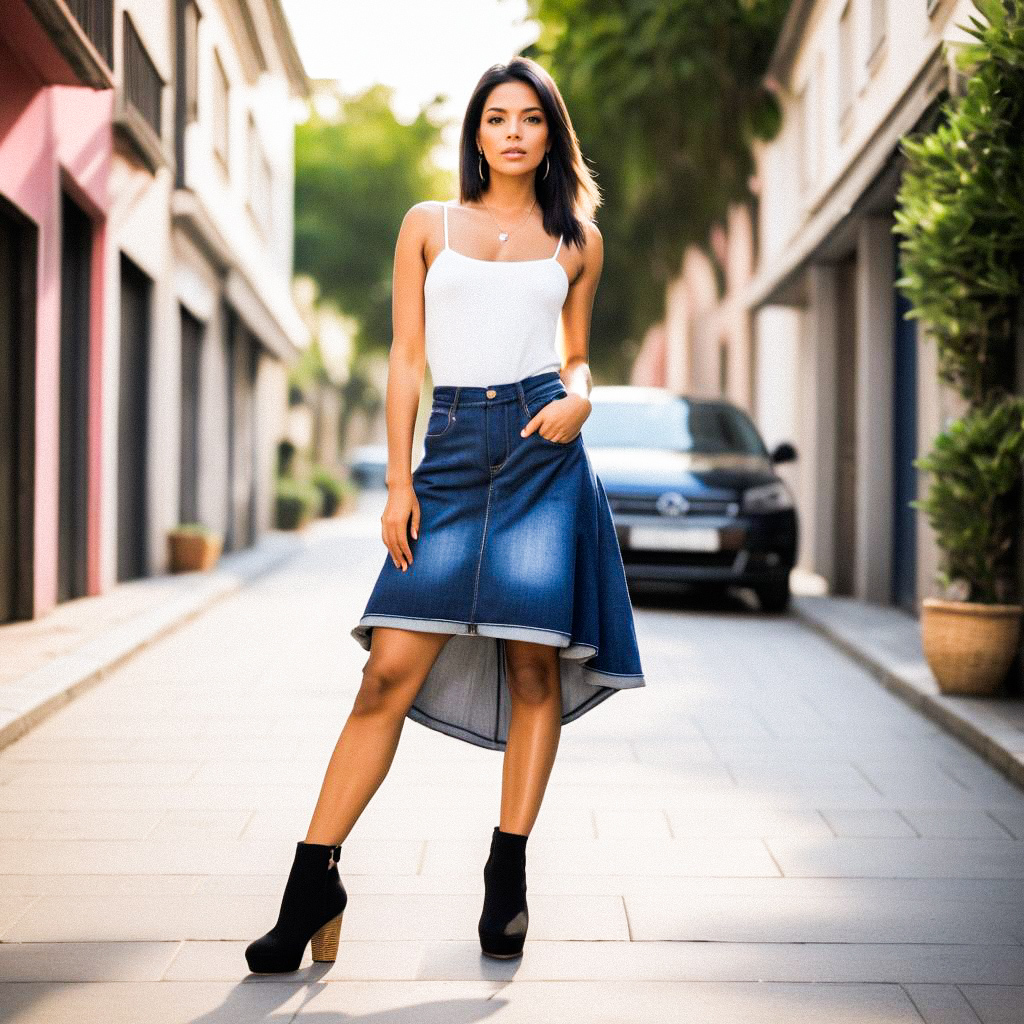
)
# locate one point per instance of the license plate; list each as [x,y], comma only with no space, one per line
[674,539]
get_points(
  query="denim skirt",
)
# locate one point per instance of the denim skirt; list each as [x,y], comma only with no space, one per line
[516,542]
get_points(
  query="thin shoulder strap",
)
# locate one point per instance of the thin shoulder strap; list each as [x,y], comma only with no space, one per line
[557,247]
[444,207]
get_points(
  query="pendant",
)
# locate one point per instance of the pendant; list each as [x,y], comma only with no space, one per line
[502,236]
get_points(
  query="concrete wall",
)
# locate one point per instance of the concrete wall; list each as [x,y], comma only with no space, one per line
[55,137]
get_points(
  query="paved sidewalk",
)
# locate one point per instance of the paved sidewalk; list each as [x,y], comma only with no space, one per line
[887,641]
[46,662]
[762,835]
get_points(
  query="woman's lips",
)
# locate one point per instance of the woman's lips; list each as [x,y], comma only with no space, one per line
[514,155]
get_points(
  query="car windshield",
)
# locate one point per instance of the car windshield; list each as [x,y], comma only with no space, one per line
[702,428]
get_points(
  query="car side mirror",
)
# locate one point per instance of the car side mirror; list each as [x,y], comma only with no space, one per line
[783,452]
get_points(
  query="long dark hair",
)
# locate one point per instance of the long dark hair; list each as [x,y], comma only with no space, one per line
[569,192]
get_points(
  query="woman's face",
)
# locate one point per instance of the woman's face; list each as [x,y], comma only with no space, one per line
[513,119]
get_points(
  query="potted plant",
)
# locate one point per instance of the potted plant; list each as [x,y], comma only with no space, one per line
[960,212]
[193,547]
[296,503]
[976,466]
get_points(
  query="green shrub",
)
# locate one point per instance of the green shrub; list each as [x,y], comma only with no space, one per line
[296,501]
[331,487]
[286,452]
[973,500]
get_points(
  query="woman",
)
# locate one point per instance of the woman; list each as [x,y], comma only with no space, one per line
[501,610]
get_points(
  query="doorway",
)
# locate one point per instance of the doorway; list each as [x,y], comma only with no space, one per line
[73,471]
[904,451]
[844,538]
[191,359]
[133,419]
[243,367]
[18,251]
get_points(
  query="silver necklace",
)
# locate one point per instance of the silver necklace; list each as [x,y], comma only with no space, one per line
[502,233]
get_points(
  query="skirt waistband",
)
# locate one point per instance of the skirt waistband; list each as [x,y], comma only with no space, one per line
[496,393]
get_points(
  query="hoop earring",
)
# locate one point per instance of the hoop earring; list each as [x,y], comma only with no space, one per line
[480,164]
[547,165]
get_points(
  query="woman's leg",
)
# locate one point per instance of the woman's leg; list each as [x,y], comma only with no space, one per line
[535,724]
[399,662]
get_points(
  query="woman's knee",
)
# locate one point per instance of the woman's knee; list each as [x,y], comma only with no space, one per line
[533,681]
[385,688]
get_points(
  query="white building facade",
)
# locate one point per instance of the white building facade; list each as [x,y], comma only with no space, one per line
[836,366]
[200,322]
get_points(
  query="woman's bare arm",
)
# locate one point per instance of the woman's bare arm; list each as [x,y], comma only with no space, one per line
[406,365]
[563,419]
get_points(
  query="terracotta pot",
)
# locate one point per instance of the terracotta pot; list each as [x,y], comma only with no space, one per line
[192,552]
[969,645]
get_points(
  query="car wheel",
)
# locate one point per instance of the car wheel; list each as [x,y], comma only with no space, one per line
[773,597]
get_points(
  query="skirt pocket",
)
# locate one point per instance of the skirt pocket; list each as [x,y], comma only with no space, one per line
[534,405]
[440,421]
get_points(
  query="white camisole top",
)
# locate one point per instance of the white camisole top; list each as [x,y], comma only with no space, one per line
[491,321]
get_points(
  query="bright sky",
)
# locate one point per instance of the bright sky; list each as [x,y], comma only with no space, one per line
[420,47]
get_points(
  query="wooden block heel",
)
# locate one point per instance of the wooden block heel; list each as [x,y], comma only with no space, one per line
[325,942]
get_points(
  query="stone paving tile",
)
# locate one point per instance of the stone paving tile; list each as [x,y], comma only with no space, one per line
[875,824]
[964,823]
[186,826]
[85,961]
[610,1003]
[72,825]
[151,1002]
[585,960]
[1011,818]
[748,823]
[235,916]
[619,857]
[941,1004]
[809,919]
[200,857]
[901,858]
[648,824]
[996,1004]
[97,885]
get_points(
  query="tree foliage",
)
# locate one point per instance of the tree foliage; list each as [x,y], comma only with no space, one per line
[961,214]
[667,98]
[355,177]
[961,211]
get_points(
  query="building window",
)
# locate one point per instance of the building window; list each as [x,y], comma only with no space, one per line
[221,110]
[846,68]
[143,86]
[803,134]
[260,179]
[190,61]
[879,16]
[97,20]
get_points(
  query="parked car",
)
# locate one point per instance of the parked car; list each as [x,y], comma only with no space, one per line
[368,465]
[693,491]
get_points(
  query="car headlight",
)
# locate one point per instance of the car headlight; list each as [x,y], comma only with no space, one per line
[772,497]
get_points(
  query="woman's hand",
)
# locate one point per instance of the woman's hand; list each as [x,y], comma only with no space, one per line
[561,419]
[401,504]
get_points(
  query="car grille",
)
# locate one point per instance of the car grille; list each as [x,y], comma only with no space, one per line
[691,559]
[646,505]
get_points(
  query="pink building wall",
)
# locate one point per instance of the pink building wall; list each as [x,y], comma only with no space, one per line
[54,138]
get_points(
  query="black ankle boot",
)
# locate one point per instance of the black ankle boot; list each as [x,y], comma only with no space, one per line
[503,923]
[311,909]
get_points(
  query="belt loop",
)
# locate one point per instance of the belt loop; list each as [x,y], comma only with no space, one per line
[455,401]
[520,391]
